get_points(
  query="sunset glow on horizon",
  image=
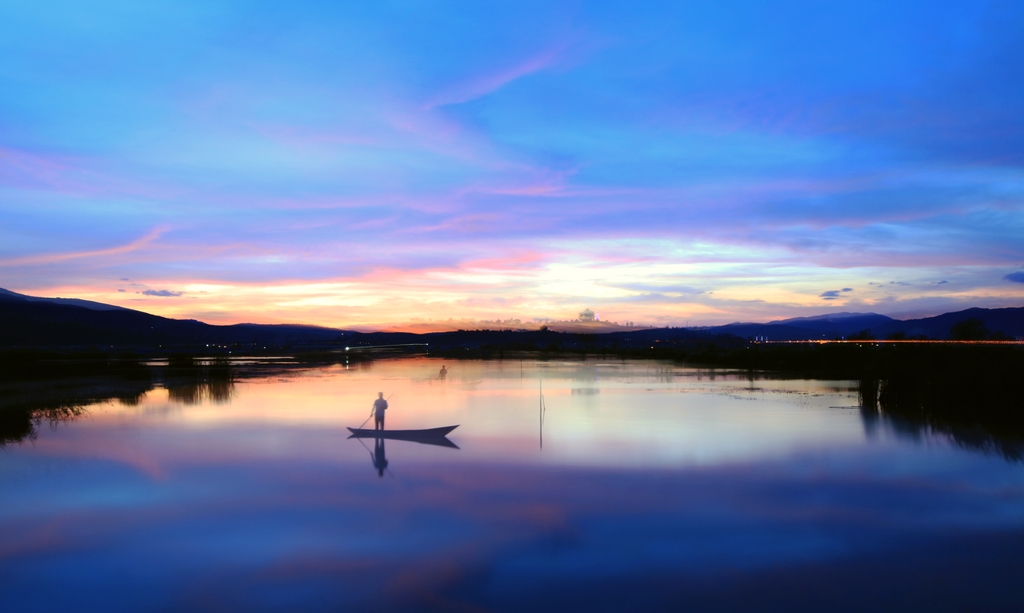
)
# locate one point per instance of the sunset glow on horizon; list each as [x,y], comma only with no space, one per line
[374,166]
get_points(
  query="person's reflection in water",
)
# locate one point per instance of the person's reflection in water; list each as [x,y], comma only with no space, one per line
[380,462]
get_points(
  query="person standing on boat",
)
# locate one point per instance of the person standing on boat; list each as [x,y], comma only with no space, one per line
[379,407]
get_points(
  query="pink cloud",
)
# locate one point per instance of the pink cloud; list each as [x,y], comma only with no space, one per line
[516,261]
[485,84]
[469,223]
[52,258]
[70,175]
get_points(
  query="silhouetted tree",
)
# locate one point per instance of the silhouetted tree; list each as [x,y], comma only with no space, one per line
[972,329]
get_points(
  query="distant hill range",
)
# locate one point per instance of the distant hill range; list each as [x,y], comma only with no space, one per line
[1007,322]
[29,321]
[830,326]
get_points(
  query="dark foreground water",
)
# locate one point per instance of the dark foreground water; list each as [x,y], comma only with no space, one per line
[644,486]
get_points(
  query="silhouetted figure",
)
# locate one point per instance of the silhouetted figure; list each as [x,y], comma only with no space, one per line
[379,407]
[380,462]
[444,373]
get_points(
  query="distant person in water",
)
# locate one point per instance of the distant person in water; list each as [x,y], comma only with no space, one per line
[379,406]
[444,373]
[380,462]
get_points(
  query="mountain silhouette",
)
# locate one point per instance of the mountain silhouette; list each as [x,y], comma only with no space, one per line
[1008,321]
[28,321]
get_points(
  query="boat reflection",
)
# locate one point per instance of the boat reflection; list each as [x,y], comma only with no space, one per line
[434,436]
[431,436]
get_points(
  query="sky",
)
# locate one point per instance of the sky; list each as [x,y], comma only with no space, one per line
[359,164]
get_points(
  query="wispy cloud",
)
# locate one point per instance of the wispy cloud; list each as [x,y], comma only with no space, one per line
[678,173]
[53,258]
[488,83]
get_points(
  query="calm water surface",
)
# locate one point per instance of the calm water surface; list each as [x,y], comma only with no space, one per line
[641,486]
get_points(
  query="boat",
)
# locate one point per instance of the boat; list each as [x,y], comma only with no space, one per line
[430,436]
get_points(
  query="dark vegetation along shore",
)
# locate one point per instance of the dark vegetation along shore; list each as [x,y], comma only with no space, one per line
[56,358]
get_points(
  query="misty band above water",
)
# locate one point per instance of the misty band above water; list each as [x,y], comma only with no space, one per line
[568,485]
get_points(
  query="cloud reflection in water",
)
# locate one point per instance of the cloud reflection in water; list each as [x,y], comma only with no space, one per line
[262,504]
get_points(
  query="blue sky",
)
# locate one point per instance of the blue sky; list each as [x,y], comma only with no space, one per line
[358,164]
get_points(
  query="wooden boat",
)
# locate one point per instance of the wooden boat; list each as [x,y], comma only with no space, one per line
[428,435]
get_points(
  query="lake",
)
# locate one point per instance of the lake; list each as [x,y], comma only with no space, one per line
[597,485]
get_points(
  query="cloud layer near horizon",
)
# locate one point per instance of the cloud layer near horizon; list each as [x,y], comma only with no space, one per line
[368,165]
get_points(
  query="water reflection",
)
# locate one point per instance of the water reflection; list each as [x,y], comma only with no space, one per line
[909,408]
[58,396]
[28,403]
[191,381]
[913,412]
[380,460]
[663,492]
[20,424]
[437,439]
[435,436]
